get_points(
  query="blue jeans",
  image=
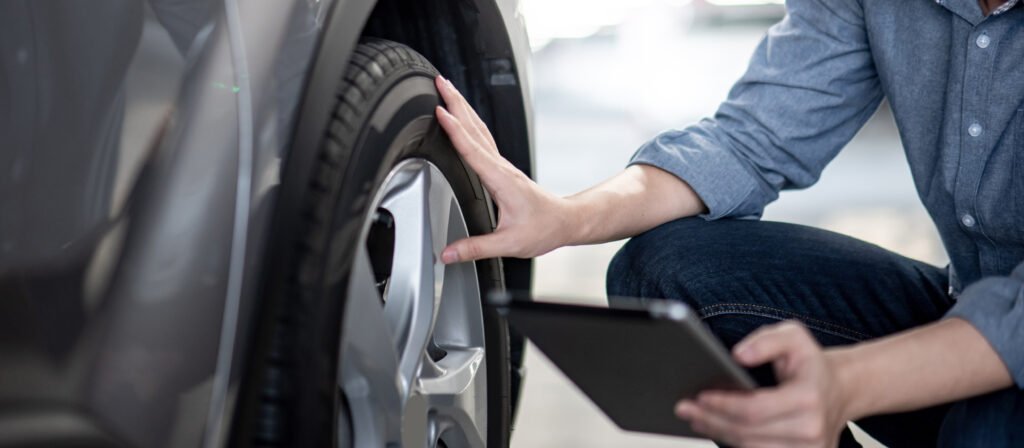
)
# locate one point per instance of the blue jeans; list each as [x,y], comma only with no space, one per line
[739,275]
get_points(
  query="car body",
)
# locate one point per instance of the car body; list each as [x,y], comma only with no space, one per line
[143,147]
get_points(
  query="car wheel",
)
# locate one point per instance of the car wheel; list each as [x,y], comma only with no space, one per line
[374,342]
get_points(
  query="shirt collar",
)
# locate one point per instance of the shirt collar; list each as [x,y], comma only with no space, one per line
[1005,7]
[970,10]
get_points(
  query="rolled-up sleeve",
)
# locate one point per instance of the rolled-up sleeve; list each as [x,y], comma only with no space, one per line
[995,306]
[810,86]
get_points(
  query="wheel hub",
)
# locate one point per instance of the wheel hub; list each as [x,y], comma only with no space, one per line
[412,358]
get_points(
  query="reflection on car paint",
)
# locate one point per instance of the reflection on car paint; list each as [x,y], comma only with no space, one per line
[117,182]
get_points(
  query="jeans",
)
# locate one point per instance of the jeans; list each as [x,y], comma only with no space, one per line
[739,275]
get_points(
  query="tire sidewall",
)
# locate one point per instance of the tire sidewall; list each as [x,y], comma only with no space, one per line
[373,156]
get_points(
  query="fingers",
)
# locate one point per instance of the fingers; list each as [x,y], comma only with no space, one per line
[793,414]
[774,342]
[483,163]
[790,430]
[799,430]
[464,112]
[708,424]
[474,248]
[758,406]
[459,107]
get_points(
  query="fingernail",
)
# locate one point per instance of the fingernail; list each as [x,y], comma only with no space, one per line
[450,85]
[742,351]
[449,256]
[684,409]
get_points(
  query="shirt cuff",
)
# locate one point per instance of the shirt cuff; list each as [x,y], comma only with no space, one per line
[995,306]
[714,173]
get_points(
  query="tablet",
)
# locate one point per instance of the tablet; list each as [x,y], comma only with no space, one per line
[634,362]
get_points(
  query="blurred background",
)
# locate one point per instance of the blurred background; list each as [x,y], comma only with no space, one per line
[609,75]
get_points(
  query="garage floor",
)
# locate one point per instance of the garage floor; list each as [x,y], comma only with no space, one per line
[599,98]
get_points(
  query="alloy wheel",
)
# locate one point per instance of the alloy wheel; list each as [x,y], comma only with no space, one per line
[412,364]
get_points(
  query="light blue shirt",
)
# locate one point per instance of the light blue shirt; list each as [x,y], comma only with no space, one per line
[955,81]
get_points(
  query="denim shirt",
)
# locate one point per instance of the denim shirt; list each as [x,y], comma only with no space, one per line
[955,81]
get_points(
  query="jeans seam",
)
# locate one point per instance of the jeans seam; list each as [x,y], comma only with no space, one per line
[779,314]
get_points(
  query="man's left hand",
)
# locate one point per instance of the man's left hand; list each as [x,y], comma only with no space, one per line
[806,409]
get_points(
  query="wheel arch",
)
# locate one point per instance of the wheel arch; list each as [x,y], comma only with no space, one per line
[479,44]
[482,42]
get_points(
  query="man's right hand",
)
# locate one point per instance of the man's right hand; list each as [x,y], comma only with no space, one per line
[531,221]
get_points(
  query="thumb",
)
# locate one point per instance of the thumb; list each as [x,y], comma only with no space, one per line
[773,343]
[474,248]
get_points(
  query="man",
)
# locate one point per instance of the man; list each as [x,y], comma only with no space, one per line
[924,355]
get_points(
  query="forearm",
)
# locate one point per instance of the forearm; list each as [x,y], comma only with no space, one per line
[636,200]
[945,361]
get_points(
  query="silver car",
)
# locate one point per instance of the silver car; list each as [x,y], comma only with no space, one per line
[220,223]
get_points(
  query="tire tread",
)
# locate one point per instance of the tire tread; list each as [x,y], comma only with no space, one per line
[370,66]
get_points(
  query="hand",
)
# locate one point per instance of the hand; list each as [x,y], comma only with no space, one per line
[805,410]
[531,221]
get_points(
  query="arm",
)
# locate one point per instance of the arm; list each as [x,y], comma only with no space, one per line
[820,391]
[532,221]
[974,350]
[938,363]
[810,86]
[620,207]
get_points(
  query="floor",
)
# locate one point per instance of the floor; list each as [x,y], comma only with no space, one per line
[600,97]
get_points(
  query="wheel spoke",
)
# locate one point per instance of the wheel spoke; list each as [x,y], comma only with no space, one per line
[369,367]
[441,207]
[418,426]
[445,402]
[455,397]
[458,321]
[410,305]
[432,315]
[458,371]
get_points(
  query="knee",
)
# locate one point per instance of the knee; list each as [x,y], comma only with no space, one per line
[625,272]
[658,263]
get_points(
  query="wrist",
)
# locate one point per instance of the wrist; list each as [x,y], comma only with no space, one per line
[851,396]
[576,229]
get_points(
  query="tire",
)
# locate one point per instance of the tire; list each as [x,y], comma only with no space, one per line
[383,117]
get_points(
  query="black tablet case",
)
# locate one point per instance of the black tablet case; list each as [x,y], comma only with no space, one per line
[635,364]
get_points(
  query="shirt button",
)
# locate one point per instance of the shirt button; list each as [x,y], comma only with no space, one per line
[968,220]
[983,40]
[974,129]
